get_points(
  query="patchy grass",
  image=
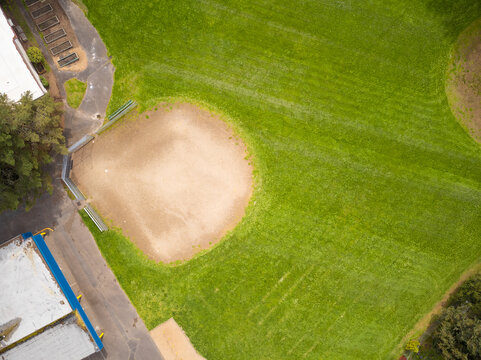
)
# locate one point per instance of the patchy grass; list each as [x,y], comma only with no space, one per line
[75,92]
[367,201]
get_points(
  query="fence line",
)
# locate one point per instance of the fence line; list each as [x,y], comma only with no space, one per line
[66,167]
[116,115]
[67,163]
[96,218]
[79,144]
[74,189]
[120,109]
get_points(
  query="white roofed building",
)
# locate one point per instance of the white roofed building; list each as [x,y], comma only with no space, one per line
[40,315]
[17,74]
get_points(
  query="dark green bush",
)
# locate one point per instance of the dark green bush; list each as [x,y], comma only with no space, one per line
[469,292]
[44,81]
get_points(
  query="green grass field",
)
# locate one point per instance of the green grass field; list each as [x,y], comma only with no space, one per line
[75,90]
[368,193]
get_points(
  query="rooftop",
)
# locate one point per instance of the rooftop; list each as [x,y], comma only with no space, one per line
[17,74]
[29,290]
[39,314]
[64,340]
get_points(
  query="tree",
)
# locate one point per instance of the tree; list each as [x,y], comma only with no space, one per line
[35,54]
[469,291]
[29,133]
[458,336]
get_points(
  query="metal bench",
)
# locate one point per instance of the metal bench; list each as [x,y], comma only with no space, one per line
[20,33]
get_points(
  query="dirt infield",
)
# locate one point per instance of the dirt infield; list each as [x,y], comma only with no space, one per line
[175,180]
[463,84]
[173,343]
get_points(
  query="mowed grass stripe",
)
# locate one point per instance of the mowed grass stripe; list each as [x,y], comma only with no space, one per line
[294,107]
[363,174]
[330,96]
[385,24]
[375,111]
[236,59]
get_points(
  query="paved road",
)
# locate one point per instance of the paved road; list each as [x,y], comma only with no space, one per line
[99,76]
[74,248]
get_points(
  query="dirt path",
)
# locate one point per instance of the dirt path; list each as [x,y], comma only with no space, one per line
[173,343]
[175,180]
[463,83]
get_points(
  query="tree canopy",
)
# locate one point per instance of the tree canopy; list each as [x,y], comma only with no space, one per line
[458,336]
[30,134]
[470,292]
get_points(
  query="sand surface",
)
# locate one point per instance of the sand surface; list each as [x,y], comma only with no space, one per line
[175,180]
[172,342]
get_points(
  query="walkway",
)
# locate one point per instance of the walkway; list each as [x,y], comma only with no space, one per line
[98,74]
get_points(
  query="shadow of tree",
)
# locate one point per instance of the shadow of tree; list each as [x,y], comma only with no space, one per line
[455,15]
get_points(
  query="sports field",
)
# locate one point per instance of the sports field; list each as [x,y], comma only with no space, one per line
[368,192]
